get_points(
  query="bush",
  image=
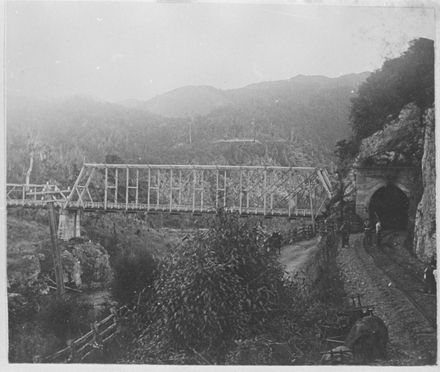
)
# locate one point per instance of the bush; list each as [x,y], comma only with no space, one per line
[134,271]
[217,287]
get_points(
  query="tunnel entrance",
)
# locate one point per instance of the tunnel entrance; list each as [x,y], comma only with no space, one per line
[390,205]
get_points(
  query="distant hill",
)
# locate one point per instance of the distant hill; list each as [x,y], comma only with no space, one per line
[294,122]
[202,100]
[187,101]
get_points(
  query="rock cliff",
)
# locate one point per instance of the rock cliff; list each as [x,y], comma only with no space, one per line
[399,143]
[425,227]
[408,141]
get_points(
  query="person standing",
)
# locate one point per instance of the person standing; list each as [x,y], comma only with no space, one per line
[367,233]
[345,233]
[378,233]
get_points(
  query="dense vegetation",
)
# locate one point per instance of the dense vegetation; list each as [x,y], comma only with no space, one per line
[295,122]
[402,80]
[219,291]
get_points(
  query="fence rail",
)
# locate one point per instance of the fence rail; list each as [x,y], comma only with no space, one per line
[82,348]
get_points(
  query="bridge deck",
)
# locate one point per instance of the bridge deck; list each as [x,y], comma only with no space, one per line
[246,190]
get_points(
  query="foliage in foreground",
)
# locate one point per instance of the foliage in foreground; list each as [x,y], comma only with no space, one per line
[134,270]
[215,292]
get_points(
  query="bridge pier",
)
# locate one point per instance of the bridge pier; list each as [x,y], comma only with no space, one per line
[69,225]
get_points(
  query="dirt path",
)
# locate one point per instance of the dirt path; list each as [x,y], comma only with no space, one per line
[295,256]
[412,338]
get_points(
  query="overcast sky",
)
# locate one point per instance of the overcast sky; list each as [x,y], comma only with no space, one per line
[116,51]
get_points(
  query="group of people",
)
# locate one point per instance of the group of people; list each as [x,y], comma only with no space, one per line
[344,230]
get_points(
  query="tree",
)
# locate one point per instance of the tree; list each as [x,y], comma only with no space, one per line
[408,78]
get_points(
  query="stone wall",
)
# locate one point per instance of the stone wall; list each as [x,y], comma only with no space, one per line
[369,180]
[425,224]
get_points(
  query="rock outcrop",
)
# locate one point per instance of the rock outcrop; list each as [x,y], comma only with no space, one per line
[425,225]
[399,143]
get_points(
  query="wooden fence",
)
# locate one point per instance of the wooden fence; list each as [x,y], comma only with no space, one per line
[84,347]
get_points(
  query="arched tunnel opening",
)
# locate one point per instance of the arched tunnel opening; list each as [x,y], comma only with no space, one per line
[390,205]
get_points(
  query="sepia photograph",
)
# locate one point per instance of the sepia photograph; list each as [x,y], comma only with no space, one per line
[197,183]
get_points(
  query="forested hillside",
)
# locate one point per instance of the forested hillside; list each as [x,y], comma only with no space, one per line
[293,122]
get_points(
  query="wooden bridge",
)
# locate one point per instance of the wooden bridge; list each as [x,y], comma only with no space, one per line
[246,190]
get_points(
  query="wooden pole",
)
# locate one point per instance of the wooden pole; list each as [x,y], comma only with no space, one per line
[201,191]
[248,182]
[116,186]
[216,189]
[311,206]
[127,185]
[137,187]
[55,250]
[194,191]
[241,191]
[265,191]
[171,189]
[180,188]
[158,187]
[224,190]
[148,190]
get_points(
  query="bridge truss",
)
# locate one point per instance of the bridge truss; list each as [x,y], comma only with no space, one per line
[247,190]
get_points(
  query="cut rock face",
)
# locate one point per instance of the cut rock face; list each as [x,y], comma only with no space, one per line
[399,143]
[425,224]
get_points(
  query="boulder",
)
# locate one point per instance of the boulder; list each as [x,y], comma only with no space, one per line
[425,227]
[85,264]
[93,269]
[71,268]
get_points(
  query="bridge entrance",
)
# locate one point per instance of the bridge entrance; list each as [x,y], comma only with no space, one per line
[390,205]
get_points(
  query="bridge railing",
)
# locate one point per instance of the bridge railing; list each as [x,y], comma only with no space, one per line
[34,195]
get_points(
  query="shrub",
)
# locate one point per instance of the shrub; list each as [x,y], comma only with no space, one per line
[134,271]
[219,286]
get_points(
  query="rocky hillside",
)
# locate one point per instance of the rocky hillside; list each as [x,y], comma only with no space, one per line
[399,143]
[425,226]
[407,141]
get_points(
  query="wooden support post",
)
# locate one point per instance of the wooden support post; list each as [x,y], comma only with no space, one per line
[180,188]
[55,250]
[248,182]
[158,187]
[137,187]
[72,352]
[264,191]
[23,193]
[171,189]
[216,189]
[116,185]
[148,189]
[224,191]
[127,182]
[311,206]
[241,190]
[86,187]
[201,190]
[194,191]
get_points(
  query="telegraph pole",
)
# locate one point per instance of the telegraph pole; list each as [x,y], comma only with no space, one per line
[55,250]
